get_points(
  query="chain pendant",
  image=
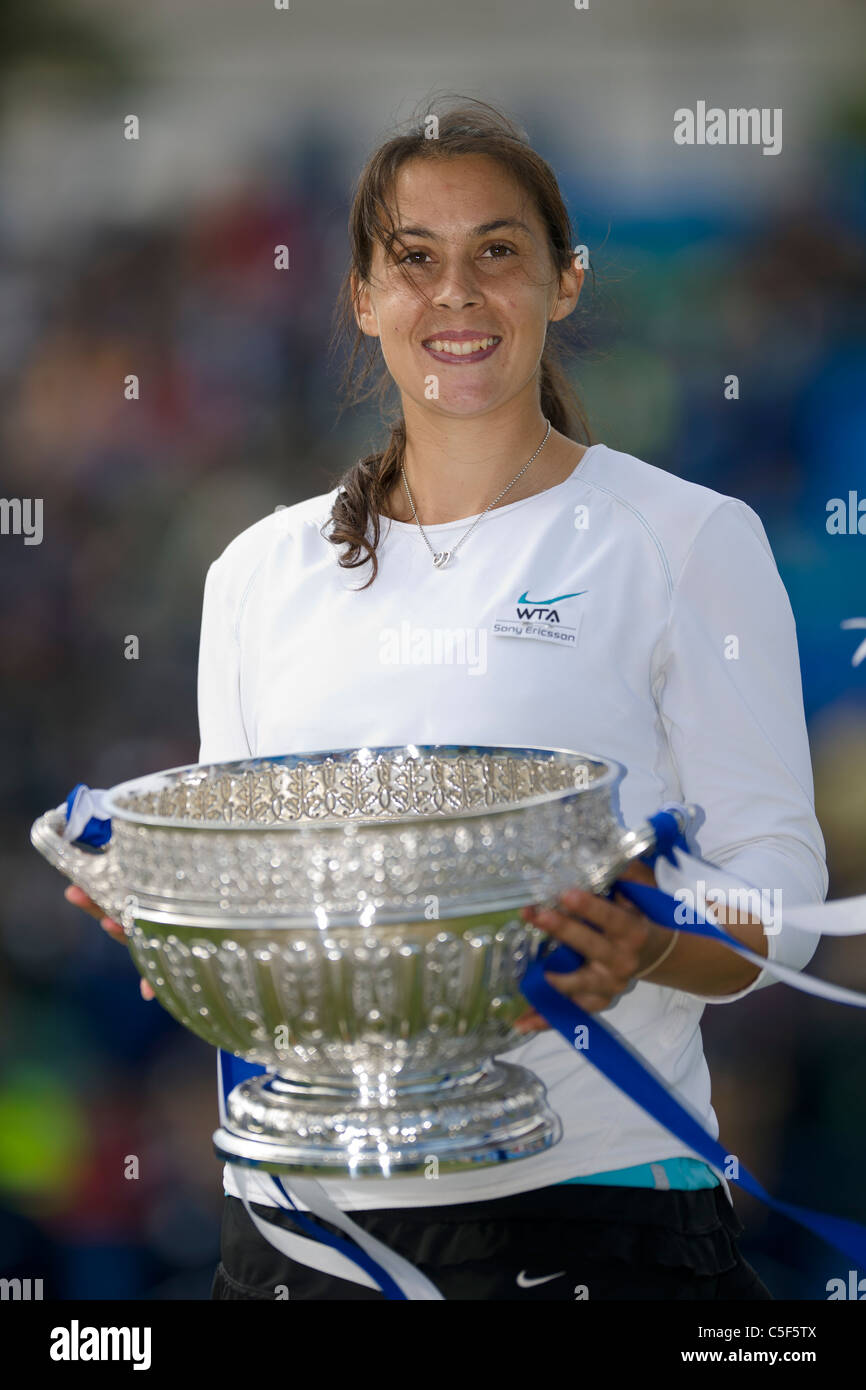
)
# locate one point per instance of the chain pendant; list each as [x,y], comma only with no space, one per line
[442,557]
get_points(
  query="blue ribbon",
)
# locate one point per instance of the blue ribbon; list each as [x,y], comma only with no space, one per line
[97,831]
[620,1064]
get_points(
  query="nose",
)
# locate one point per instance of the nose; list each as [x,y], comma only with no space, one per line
[457,285]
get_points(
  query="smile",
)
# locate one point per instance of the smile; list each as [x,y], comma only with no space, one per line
[462,350]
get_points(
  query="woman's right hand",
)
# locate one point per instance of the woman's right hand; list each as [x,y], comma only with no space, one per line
[77,896]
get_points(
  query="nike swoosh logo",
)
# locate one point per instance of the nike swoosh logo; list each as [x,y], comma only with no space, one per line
[546,602]
[524,1283]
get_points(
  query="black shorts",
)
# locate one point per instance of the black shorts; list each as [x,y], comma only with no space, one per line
[556,1243]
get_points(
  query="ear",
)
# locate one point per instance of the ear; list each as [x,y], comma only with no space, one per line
[570,285]
[365,315]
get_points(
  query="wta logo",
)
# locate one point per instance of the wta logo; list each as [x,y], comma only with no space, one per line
[539,619]
[543,610]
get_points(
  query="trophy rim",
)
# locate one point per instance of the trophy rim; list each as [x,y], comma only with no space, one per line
[612,770]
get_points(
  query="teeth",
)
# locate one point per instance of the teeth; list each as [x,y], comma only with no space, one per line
[460,349]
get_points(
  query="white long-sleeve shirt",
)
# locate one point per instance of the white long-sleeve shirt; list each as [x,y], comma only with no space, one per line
[624,613]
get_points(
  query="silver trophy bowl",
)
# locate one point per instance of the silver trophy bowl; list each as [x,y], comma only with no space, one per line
[349,920]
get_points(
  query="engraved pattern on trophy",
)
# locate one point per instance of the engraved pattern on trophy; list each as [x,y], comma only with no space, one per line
[397,1003]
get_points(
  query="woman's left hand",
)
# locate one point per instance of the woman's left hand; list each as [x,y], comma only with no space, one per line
[619,944]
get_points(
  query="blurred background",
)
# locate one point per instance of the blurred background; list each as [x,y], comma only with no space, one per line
[155,256]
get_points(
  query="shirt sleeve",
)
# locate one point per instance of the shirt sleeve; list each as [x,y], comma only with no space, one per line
[221,726]
[728,689]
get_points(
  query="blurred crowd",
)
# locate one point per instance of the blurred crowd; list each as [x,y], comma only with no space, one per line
[237,414]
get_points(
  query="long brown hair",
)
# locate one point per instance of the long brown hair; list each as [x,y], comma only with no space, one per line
[468,128]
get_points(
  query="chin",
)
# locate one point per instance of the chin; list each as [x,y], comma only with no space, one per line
[462,405]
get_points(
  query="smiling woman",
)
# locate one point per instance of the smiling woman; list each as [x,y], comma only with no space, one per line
[461,271]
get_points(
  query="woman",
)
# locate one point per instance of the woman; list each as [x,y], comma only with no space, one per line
[592,601]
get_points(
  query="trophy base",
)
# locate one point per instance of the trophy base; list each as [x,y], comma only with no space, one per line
[491,1116]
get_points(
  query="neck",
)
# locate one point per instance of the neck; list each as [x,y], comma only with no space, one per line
[456,466]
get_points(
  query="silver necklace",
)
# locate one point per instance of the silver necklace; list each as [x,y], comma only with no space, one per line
[441,557]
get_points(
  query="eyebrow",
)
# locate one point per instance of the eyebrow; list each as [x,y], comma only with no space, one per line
[484,228]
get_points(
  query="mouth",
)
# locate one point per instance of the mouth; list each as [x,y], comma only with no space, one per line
[459,348]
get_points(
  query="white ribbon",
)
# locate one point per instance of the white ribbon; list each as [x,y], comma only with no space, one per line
[410,1281]
[847,917]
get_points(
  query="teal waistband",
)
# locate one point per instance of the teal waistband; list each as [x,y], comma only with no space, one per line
[683,1174]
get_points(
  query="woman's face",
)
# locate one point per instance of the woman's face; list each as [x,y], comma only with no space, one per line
[474,243]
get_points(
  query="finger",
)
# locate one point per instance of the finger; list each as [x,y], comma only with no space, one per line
[531,1022]
[146,990]
[624,926]
[112,928]
[78,898]
[620,953]
[601,912]
[587,998]
[594,978]
[572,932]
